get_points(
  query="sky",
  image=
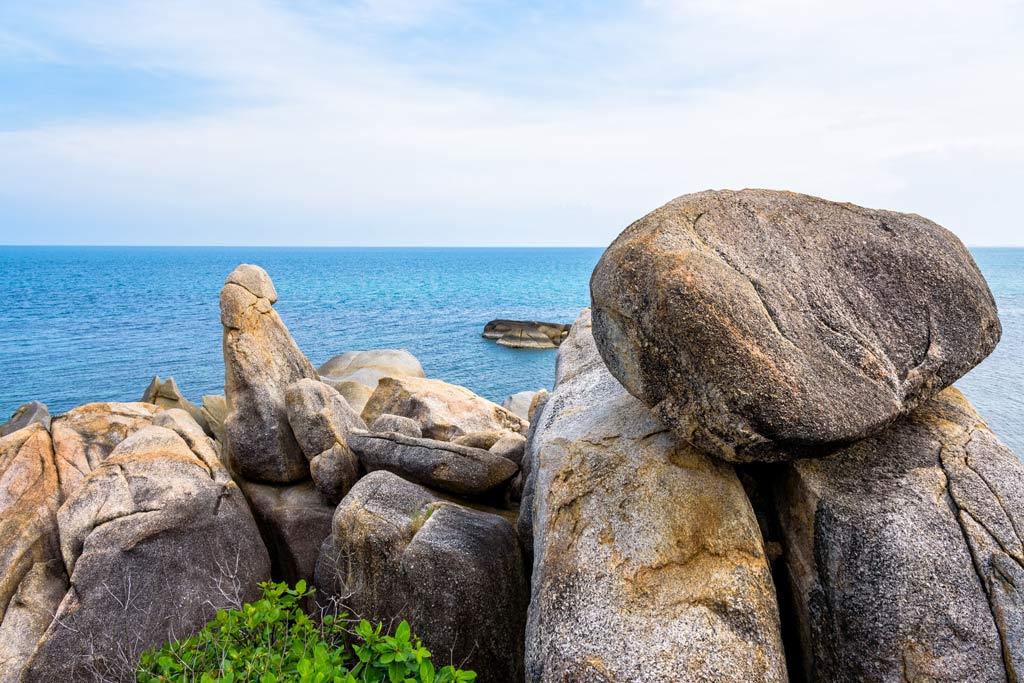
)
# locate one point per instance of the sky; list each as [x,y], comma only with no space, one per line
[464,122]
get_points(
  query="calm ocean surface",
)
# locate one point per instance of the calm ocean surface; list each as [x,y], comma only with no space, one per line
[95,324]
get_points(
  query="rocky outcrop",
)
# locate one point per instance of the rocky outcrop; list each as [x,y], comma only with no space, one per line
[85,436]
[519,403]
[511,446]
[261,361]
[648,562]
[26,414]
[166,394]
[397,424]
[294,520]
[526,334]
[397,551]
[355,374]
[152,517]
[321,421]
[446,466]
[29,614]
[905,552]
[759,323]
[443,411]
[215,411]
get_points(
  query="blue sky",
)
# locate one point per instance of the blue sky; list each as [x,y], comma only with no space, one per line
[453,122]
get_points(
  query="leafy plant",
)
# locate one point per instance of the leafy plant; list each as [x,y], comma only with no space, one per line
[273,641]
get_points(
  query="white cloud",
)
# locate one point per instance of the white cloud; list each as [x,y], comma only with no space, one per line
[557,129]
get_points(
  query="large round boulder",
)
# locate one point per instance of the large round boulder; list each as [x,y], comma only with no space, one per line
[758,323]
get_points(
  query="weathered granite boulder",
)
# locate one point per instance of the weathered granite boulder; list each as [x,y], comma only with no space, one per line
[29,498]
[356,393]
[261,361]
[85,436]
[510,446]
[153,517]
[397,424]
[526,334]
[26,414]
[215,411]
[522,487]
[519,403]
[444,411]
[390,362]
[294,520]
[760,323]
[905,552]
[446,466]
[397,551]
[29,614]
[482,440]
[648,561]
[166,394]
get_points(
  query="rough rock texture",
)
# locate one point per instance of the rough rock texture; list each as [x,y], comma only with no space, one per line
[391,362]
[294,520]
[153,517]
[321,421]
[85,436]
[215,411]
[758,323]
[261,361]
[397,424]
[457,469]
[166,394]
[26,414]
[443,411]
[29,498]
[905,552]
[539,399]
[648,561]
[510,446]
[356,393]
[522,487]
[482,440]
[526,334]
[29,614]
[519,403]
[399,552]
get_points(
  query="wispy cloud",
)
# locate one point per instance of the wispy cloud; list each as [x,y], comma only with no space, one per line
[447,122]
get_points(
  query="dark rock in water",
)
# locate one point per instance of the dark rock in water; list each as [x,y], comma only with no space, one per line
[456,469]
[261,361]
[397,424]
[166,394]
[398,551]
[155,538]
[526,334]
[759,323]
[26,414]
[905,552]
[294,520]
[648,560]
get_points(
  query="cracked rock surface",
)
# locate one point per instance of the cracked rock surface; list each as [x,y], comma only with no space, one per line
[905,552]
[648,560]
[261,360]
[758,323]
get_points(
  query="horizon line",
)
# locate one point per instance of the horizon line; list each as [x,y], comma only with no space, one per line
[371,246]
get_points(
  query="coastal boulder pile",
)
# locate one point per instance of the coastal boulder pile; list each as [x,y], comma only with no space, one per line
[752,467]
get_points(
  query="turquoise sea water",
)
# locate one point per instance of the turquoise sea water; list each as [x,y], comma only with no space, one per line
[90,324]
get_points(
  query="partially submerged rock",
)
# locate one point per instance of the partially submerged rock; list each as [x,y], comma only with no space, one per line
[444,411]
[166,394]
[526,334]
[648,561]
[397,551]
[25,415]
[261,361]
[446,466]
[760,323]
[905,552]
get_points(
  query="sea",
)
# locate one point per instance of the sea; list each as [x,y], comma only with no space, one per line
[82,324]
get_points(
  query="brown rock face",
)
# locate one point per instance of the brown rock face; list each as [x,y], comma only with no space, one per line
[905,552]
[444,411]
[760,323]
[261,361]
[648,560]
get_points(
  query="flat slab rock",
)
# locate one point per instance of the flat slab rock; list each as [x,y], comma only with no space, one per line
[438,464]
[758,323]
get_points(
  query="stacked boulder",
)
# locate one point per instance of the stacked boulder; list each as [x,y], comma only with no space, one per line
[771,327]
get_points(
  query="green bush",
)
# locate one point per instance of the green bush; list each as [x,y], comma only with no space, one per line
[274,641]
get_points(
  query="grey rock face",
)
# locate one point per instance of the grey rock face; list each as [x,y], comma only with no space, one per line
[26,414]
[154,516]
[215,411]
[397,424]
[397,551]
[261,361]
[294,520]
[905,552]
[456,469]
[759,323]
[648,560]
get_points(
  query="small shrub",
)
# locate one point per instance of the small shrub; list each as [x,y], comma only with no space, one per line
[273,641]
